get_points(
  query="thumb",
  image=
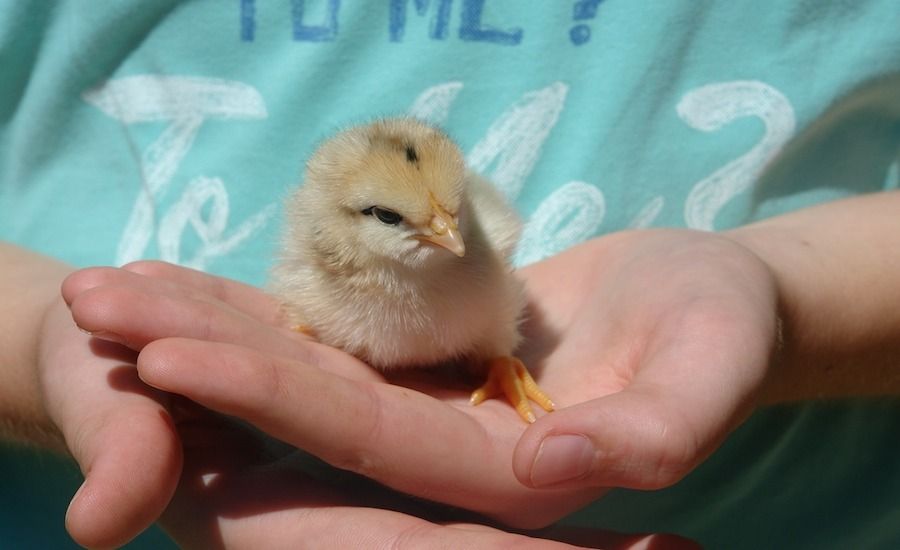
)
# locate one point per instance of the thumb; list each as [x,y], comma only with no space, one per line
[115,427]
[131,465]
[694,385]
[634,438]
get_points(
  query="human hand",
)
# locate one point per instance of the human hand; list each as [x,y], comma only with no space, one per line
[118,430]
[237,489]
[237,359]
[115,427]
[666,338]
[653,344]
[234,491]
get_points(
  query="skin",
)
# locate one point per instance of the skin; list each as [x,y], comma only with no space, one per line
[28,284]
[658,344]
[147,455]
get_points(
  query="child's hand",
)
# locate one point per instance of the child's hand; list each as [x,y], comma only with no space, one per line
[116,428]
[235,486]
[652,344]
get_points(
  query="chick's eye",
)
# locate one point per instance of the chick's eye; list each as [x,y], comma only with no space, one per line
[385,216]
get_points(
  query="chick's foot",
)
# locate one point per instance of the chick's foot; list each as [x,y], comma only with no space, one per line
[507,375]
[306,330]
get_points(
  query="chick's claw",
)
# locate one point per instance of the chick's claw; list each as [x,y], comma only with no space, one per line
[509,376]
[305,330]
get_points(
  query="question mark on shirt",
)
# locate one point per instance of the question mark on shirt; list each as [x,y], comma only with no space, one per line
[583,10]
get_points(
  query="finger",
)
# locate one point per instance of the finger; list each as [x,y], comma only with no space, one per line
[375,528]
[140,309]
[626,439]
[598,538]
[131,465]
[163,276]
[691,391]
[402,438]
[145,310]
[248,299]
[277,505]
[266,507]
[342,527]
[117,431]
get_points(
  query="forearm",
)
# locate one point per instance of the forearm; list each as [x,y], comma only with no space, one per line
[837,267]
[29,285]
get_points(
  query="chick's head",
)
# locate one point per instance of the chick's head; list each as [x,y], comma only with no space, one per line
[392,190]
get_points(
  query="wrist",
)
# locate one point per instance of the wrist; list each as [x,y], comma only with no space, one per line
[772,245]
[29,290]
[838,337]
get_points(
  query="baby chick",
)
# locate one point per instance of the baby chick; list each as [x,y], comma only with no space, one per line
[396,253]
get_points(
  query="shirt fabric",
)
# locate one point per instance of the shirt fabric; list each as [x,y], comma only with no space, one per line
[174,130]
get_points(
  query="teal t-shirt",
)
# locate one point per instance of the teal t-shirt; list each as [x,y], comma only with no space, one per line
[173,130]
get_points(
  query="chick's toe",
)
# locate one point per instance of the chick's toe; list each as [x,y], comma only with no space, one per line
[507,375]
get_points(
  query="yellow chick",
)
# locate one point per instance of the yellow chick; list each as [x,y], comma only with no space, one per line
[398,254]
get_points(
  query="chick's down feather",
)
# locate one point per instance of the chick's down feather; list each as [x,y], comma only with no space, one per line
[398,254]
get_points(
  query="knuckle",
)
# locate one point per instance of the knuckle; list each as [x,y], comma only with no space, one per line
[99,304]
[80,438]
[661,452]
[673,455]
[87,279]
[275,388]
[207,324]
[362,455]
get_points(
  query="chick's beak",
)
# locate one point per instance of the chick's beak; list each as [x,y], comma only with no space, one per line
[445,233]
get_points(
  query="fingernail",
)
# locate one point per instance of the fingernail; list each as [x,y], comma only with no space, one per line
[75,496]
[562,458]
[104,335]
[79,491]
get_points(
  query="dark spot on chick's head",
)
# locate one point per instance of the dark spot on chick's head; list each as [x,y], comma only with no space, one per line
[411,155]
